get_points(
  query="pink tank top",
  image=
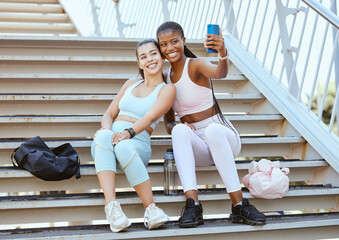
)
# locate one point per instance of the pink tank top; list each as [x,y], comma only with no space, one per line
[191,98]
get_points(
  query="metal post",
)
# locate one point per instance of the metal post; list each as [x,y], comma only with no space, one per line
[336,61]
[282,13]
[95,18]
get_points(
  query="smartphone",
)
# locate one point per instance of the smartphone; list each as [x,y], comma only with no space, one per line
[213,29]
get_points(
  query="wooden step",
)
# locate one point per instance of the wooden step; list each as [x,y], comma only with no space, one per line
[87,207]
[18,180]
[93,104]
[32,1]
[305,226]
[75,46]
[30,7]
[33,17]
[91,83]
[82,126]
[251,147]
[51,28]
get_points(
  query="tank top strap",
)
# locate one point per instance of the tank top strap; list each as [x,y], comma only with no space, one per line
[185,70]
[134,85]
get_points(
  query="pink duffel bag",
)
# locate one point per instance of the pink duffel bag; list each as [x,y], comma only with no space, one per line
[266,179]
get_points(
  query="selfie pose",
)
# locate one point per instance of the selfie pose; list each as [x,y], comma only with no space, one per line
[124,138]
[204,137]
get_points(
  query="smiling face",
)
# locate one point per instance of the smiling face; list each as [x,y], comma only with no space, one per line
[149,58]
[171,45]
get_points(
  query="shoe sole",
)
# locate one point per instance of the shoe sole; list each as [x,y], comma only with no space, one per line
[192,224]
[159,223]
[120,229]
[240,219]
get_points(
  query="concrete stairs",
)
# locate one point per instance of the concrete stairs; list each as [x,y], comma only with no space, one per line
[59,89]
[43,17]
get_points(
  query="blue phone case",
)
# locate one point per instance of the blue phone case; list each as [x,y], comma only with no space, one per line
[212,29]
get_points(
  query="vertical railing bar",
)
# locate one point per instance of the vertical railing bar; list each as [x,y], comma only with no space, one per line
[149,23]
[182,14]
[269,38]
[129,29]
[317,68]
[158,14]
[261,28]
[197,32]
[110,24]
[224,21]
[229,11]
[156,21]
[135,19]
[334,110]
[245,20]
[308,57]
[175,10]
[186,21]
[328,77]
[281,72]
[202,28]
[219,12]
[189,24]
[275,55]
[141,23]
[291,77]
[253,22]
[237,17]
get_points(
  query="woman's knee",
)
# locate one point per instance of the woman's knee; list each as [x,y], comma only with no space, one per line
[124,150]
[103,137]
[181,130]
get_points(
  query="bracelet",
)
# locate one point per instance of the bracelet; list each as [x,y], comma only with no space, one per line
[131,131]
[223,58]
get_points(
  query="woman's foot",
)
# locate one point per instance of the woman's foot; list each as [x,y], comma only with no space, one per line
[192,215]
[116,217]
[154,217]
[248,214]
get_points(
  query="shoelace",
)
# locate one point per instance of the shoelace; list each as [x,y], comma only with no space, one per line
[151,209]
[115,212]
[188,210]
[251,210]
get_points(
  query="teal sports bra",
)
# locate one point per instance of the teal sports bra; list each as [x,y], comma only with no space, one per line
[137,107]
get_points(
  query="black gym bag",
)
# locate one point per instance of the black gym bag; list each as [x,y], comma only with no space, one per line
[50,165]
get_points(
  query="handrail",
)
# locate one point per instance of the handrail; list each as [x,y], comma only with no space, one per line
[324,12]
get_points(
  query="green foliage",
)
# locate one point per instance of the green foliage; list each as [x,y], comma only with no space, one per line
[328,106]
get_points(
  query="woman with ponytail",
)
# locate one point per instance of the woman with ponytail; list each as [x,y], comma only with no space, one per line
[204,137]
[124,138]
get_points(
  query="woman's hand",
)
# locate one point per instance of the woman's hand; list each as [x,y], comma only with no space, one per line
[217,43]
[119,136]
[190,126]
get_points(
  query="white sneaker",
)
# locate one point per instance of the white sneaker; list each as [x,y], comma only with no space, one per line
[116,217]
[154,217]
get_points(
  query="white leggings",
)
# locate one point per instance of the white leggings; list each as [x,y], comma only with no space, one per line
[211,143]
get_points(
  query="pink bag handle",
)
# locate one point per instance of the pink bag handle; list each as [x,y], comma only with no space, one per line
[285,170]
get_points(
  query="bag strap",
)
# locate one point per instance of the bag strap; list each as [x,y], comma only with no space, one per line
[77,173]
[14,160]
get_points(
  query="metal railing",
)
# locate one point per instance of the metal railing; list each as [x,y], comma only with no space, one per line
[297,46]
[286,37]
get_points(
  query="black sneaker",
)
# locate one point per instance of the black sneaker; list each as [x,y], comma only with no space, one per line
[248,214]
[191,215]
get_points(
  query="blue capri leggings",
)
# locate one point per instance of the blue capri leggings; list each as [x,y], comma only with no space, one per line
[131,155]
